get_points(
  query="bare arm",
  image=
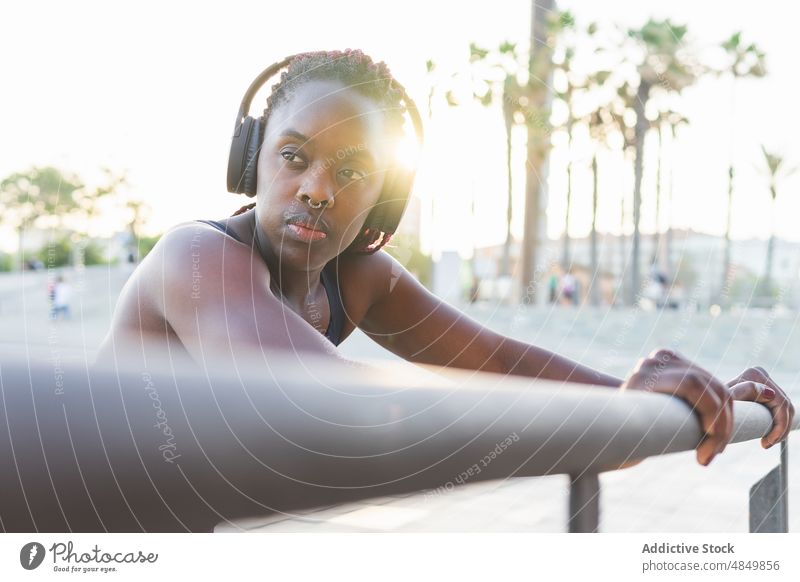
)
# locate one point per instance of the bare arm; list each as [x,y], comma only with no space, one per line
[415,324]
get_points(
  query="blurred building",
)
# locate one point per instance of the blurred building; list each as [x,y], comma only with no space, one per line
[696,261]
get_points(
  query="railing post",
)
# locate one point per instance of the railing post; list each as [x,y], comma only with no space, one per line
[584,503]
[769,499]
[785,483]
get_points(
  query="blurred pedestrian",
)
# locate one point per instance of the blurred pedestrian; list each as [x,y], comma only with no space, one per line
[60,299]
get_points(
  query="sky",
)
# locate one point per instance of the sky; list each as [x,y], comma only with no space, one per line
[153,88]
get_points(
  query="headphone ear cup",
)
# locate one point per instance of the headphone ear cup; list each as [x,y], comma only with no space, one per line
[251,167]
[243,159]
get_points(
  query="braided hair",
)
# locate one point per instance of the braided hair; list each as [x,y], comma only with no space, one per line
[358,72]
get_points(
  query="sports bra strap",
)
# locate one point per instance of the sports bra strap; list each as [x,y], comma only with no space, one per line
[222,228]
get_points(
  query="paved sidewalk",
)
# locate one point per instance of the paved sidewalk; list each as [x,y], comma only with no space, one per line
[666,494]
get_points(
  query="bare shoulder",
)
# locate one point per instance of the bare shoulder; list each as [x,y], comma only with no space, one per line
[187,237]
[184,245]
[193,257]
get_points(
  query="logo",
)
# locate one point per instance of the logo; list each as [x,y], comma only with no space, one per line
[31,555]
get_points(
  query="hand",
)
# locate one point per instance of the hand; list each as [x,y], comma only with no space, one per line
[755,384]
[667,372]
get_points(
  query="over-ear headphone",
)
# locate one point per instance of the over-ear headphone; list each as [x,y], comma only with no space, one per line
[246,142]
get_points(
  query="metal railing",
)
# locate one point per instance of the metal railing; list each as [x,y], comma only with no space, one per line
[163,445]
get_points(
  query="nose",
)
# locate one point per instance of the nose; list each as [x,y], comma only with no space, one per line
[317,189]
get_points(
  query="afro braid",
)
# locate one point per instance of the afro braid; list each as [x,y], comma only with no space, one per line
[352,68]
[358,72]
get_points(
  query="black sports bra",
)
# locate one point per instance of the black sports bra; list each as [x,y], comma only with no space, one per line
[329,281]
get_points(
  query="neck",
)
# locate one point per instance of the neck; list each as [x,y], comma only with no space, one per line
[292,285]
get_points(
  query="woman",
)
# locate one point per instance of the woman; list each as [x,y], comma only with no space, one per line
[302,267]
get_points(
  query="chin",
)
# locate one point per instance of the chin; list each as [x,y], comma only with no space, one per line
[303,257]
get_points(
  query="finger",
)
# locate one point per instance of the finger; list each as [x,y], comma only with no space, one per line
[638,380]
[639,364]
[753,392]
[716,412]
[780,400]
[725,416]
[667,355]
[754,374]
[710,409]
[727,401]
[762,371]
[781,423]
[780,408]
[706,451]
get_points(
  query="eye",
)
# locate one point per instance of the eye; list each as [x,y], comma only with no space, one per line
[352,174]
[291,156]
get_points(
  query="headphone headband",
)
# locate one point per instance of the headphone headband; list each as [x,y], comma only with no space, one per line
[266,74]
[254,87]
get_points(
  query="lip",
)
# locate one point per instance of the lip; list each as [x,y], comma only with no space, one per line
[306,228]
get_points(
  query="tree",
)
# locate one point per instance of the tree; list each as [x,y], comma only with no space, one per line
[138,212]
[619,110]
[776,171]
[742,61]
[674,122]
[572,88]
[577,90]
[536,108]
[37,193]
[494,74]
[662,66]
[527,102]
[88,201]
[6,262]
[601,125]
[667,121]
[57,252]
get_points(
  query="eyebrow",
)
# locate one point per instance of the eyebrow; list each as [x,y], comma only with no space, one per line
[295,134]
[349,152]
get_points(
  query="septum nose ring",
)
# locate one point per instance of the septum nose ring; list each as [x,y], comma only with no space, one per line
[315,205]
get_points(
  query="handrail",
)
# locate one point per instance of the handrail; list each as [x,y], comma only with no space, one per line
[172,447]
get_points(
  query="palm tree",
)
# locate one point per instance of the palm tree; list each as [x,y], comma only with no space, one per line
[494,75]
[510,91]
[437,83]
[430,67]
[667,120]
[529,102]
[776,172]
[601,126]
[570,95]
[742,61]
[674,121]
[662,66]
[536,111]
[617,109]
